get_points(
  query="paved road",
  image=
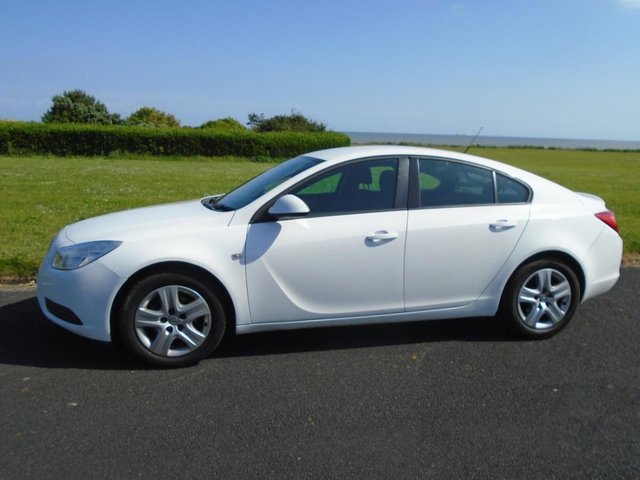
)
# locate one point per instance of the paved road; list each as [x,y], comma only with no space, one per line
[430,400]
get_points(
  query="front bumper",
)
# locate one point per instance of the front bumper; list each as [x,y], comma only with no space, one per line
[78,300]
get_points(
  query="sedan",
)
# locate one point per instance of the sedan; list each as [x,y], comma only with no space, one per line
[346,236]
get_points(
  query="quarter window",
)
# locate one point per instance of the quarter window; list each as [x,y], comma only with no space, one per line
[510,190]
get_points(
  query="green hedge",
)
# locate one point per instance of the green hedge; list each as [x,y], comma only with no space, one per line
[75,139]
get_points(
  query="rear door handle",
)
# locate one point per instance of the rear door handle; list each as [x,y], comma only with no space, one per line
[502,224]
[382,235]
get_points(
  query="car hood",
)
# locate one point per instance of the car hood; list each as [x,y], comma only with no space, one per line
[148,222]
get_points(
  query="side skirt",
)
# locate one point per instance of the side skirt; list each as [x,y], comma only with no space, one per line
[471,310]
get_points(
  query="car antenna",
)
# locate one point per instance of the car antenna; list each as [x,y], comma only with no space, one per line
[472,140]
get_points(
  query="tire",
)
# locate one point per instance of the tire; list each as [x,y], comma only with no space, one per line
[541,298]
[171,320]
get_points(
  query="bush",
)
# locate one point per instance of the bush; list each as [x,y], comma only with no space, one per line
[295,122]
[75,106]
[226,124]
[152,117]
[74,139]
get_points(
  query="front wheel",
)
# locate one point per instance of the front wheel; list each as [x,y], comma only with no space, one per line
[171,320]
[541,298]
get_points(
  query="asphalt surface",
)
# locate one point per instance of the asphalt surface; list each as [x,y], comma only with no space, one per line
[457,399]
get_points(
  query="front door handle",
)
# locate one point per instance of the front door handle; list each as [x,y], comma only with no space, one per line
[382,235]
[502,224]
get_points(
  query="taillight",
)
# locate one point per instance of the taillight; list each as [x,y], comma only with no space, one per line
[609,218]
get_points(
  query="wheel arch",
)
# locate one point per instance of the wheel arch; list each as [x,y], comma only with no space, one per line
[183,268]
[551,255]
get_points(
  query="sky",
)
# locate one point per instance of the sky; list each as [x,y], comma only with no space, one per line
[527,68]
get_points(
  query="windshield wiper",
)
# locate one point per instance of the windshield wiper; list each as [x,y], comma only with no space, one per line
[222,207]
[213,203]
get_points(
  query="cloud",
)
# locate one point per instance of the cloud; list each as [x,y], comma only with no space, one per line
[633,4]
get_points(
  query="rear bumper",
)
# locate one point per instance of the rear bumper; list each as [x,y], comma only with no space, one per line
[602,266]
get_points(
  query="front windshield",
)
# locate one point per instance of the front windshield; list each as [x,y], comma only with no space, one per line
[257,186]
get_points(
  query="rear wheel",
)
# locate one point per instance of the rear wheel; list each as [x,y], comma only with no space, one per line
[171,320]
[541,298]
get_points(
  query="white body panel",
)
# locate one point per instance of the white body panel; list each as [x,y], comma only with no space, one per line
[325,267]
[297,273]
[452,254]
[183,232]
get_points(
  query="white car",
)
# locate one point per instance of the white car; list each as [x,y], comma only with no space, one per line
[345,236]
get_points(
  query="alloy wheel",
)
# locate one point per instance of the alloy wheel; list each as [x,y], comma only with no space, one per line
[544,299]
[172,321]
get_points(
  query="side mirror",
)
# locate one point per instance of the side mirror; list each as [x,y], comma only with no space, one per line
[289,206]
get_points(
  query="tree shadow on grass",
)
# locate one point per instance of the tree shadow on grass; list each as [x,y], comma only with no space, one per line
[29,339]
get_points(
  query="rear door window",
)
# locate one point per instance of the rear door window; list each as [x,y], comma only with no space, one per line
[446,183]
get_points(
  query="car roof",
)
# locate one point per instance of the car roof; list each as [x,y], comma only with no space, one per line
[343,154]
[349,153]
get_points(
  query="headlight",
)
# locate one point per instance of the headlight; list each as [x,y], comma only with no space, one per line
[76,256]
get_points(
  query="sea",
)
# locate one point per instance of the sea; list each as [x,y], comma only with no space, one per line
[486,141]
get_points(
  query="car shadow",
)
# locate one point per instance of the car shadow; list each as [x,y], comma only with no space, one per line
[29,339]
[363,336]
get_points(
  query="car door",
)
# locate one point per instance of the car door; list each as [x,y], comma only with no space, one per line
[460,231]
[345,259]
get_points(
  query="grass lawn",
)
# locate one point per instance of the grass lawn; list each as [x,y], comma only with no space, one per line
[42,194]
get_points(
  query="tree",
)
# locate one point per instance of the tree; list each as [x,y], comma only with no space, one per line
[226,124]
[295,121]
[76,106]
[152,117]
